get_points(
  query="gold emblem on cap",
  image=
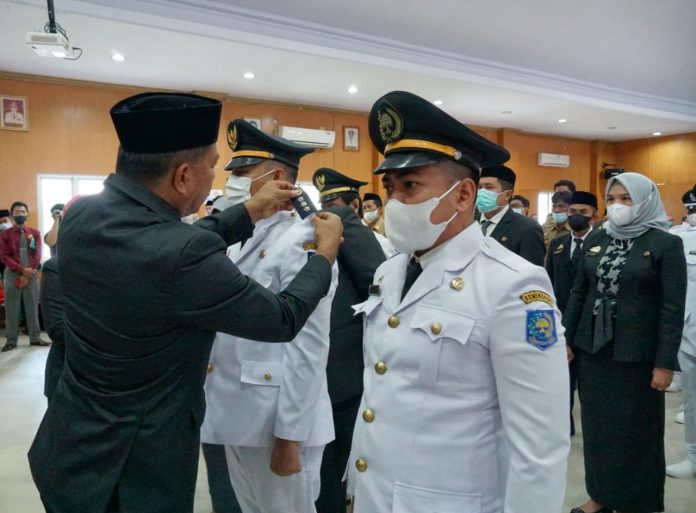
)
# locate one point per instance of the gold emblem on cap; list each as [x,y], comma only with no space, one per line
[391,126]
[457,283]
[232,140]
[320,182]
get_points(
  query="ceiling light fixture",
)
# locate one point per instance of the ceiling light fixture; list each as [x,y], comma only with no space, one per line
[352,89]
[657,133]
[563,120]
[437,102]
[118,57]
[248,75]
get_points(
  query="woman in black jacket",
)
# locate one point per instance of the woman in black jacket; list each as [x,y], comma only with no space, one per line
[623,324]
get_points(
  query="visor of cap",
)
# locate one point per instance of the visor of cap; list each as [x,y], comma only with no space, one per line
[407,160]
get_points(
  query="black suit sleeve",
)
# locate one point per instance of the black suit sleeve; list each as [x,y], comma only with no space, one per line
[232,224]
[360,254]
[673,281]
[52,311]
[548,264]
[576,302]
[212,293]
[532,247]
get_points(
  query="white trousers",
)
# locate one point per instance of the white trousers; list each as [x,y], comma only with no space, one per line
[261,491]
[688,377]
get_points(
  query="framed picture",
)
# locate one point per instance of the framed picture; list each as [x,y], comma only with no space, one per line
[351,138]
[255,122]
[14,114]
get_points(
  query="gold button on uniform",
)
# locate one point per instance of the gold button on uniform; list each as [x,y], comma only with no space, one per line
[210,367]
[268,376]
[393,321]
[368,415]
[436,328]
[361,465]
[457,283]
[380,368]
[262,254]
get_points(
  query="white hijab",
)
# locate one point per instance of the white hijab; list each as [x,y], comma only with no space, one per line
[650,213]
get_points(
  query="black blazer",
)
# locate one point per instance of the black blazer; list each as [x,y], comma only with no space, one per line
[650,302]
[143,295]
[560,268]
[52,308]
[358,258]
[521,235]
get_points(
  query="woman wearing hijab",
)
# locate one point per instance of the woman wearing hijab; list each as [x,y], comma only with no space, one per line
[623,325]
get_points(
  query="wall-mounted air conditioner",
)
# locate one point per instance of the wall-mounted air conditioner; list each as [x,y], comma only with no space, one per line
[308,136]
[553,160]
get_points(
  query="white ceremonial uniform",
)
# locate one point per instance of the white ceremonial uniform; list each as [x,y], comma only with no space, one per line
[687,348]
[465,408]
[255,392]
[387,247]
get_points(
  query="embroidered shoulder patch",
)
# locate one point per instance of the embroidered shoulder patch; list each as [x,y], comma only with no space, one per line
[537,295]
[541,328]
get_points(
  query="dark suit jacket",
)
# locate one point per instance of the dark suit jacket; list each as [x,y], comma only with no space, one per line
[144,295]
[52,308]
[358,258]
[521,235]
[650,302]
[560,268]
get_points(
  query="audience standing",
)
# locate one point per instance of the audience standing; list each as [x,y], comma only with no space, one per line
[520,205]
[560,201]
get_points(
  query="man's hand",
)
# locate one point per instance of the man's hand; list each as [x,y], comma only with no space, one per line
[285,457]
[21,282]
[662,378]
[28,273]
[274,196]
[570,354]
[328,231]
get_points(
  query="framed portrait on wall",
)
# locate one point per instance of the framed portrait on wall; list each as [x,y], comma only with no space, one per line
[255,122]
[351,138]
[14,114]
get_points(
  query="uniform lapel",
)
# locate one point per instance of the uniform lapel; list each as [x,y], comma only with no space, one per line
[503,227]
[253,244]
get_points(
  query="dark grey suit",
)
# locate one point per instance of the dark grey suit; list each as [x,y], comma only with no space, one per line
[521,235]
[560,269]
[144,295]
[358,258]
[51,303]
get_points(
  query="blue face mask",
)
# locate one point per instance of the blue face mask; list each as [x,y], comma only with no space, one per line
[487,201]
[560,217]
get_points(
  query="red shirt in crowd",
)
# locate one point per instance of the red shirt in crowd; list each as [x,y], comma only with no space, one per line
[9,248]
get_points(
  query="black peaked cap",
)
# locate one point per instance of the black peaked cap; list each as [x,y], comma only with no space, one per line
[331,184]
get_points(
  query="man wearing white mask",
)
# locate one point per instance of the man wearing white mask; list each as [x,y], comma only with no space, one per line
[372,212]
[465,405]
[269,407]
[687,350]
[521,235]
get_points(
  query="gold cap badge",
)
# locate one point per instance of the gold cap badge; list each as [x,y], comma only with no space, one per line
[232,137]
[320,182]
[391,126]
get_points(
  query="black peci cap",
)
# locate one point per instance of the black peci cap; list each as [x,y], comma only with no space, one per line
[166,122]
[500,172]
[4,213]
[250,146]
[583,198]
[412,132]
[331,184]
[689,197]
[371,196]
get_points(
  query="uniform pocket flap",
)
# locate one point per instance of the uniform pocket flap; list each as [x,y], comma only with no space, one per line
[367,306]
[262,373]
[413,499]
[437,322]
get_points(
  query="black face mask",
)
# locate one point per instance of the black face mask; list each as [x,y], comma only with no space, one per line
[20,219]
[578,222]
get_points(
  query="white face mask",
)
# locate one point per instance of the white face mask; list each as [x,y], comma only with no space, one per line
[238,188]
[409,227]
[371,216]
[6,225]
[620,214]
[691,219]
[519,211]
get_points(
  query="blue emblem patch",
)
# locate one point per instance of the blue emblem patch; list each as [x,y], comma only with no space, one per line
[541,328]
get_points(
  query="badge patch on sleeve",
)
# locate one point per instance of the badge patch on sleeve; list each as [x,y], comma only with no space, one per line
[537,295]
[541,328]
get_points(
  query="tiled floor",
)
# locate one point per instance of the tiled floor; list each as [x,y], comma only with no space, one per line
[22,405]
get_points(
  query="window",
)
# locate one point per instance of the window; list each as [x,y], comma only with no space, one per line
[60,189]
[544,206]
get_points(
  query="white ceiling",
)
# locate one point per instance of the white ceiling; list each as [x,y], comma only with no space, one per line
[628,64]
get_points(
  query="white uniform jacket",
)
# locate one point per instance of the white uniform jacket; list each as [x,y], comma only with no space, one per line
[256,391]
[688,235]
[465,408]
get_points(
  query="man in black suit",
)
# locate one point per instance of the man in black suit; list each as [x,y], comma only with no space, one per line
[520,234]
[562,260]
[143,295]
[358,258]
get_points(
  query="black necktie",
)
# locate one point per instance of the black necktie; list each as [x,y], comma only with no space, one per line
[484,225]
[413,271]
[576,254]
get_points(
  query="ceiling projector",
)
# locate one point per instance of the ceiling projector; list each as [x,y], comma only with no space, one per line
[48,44]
